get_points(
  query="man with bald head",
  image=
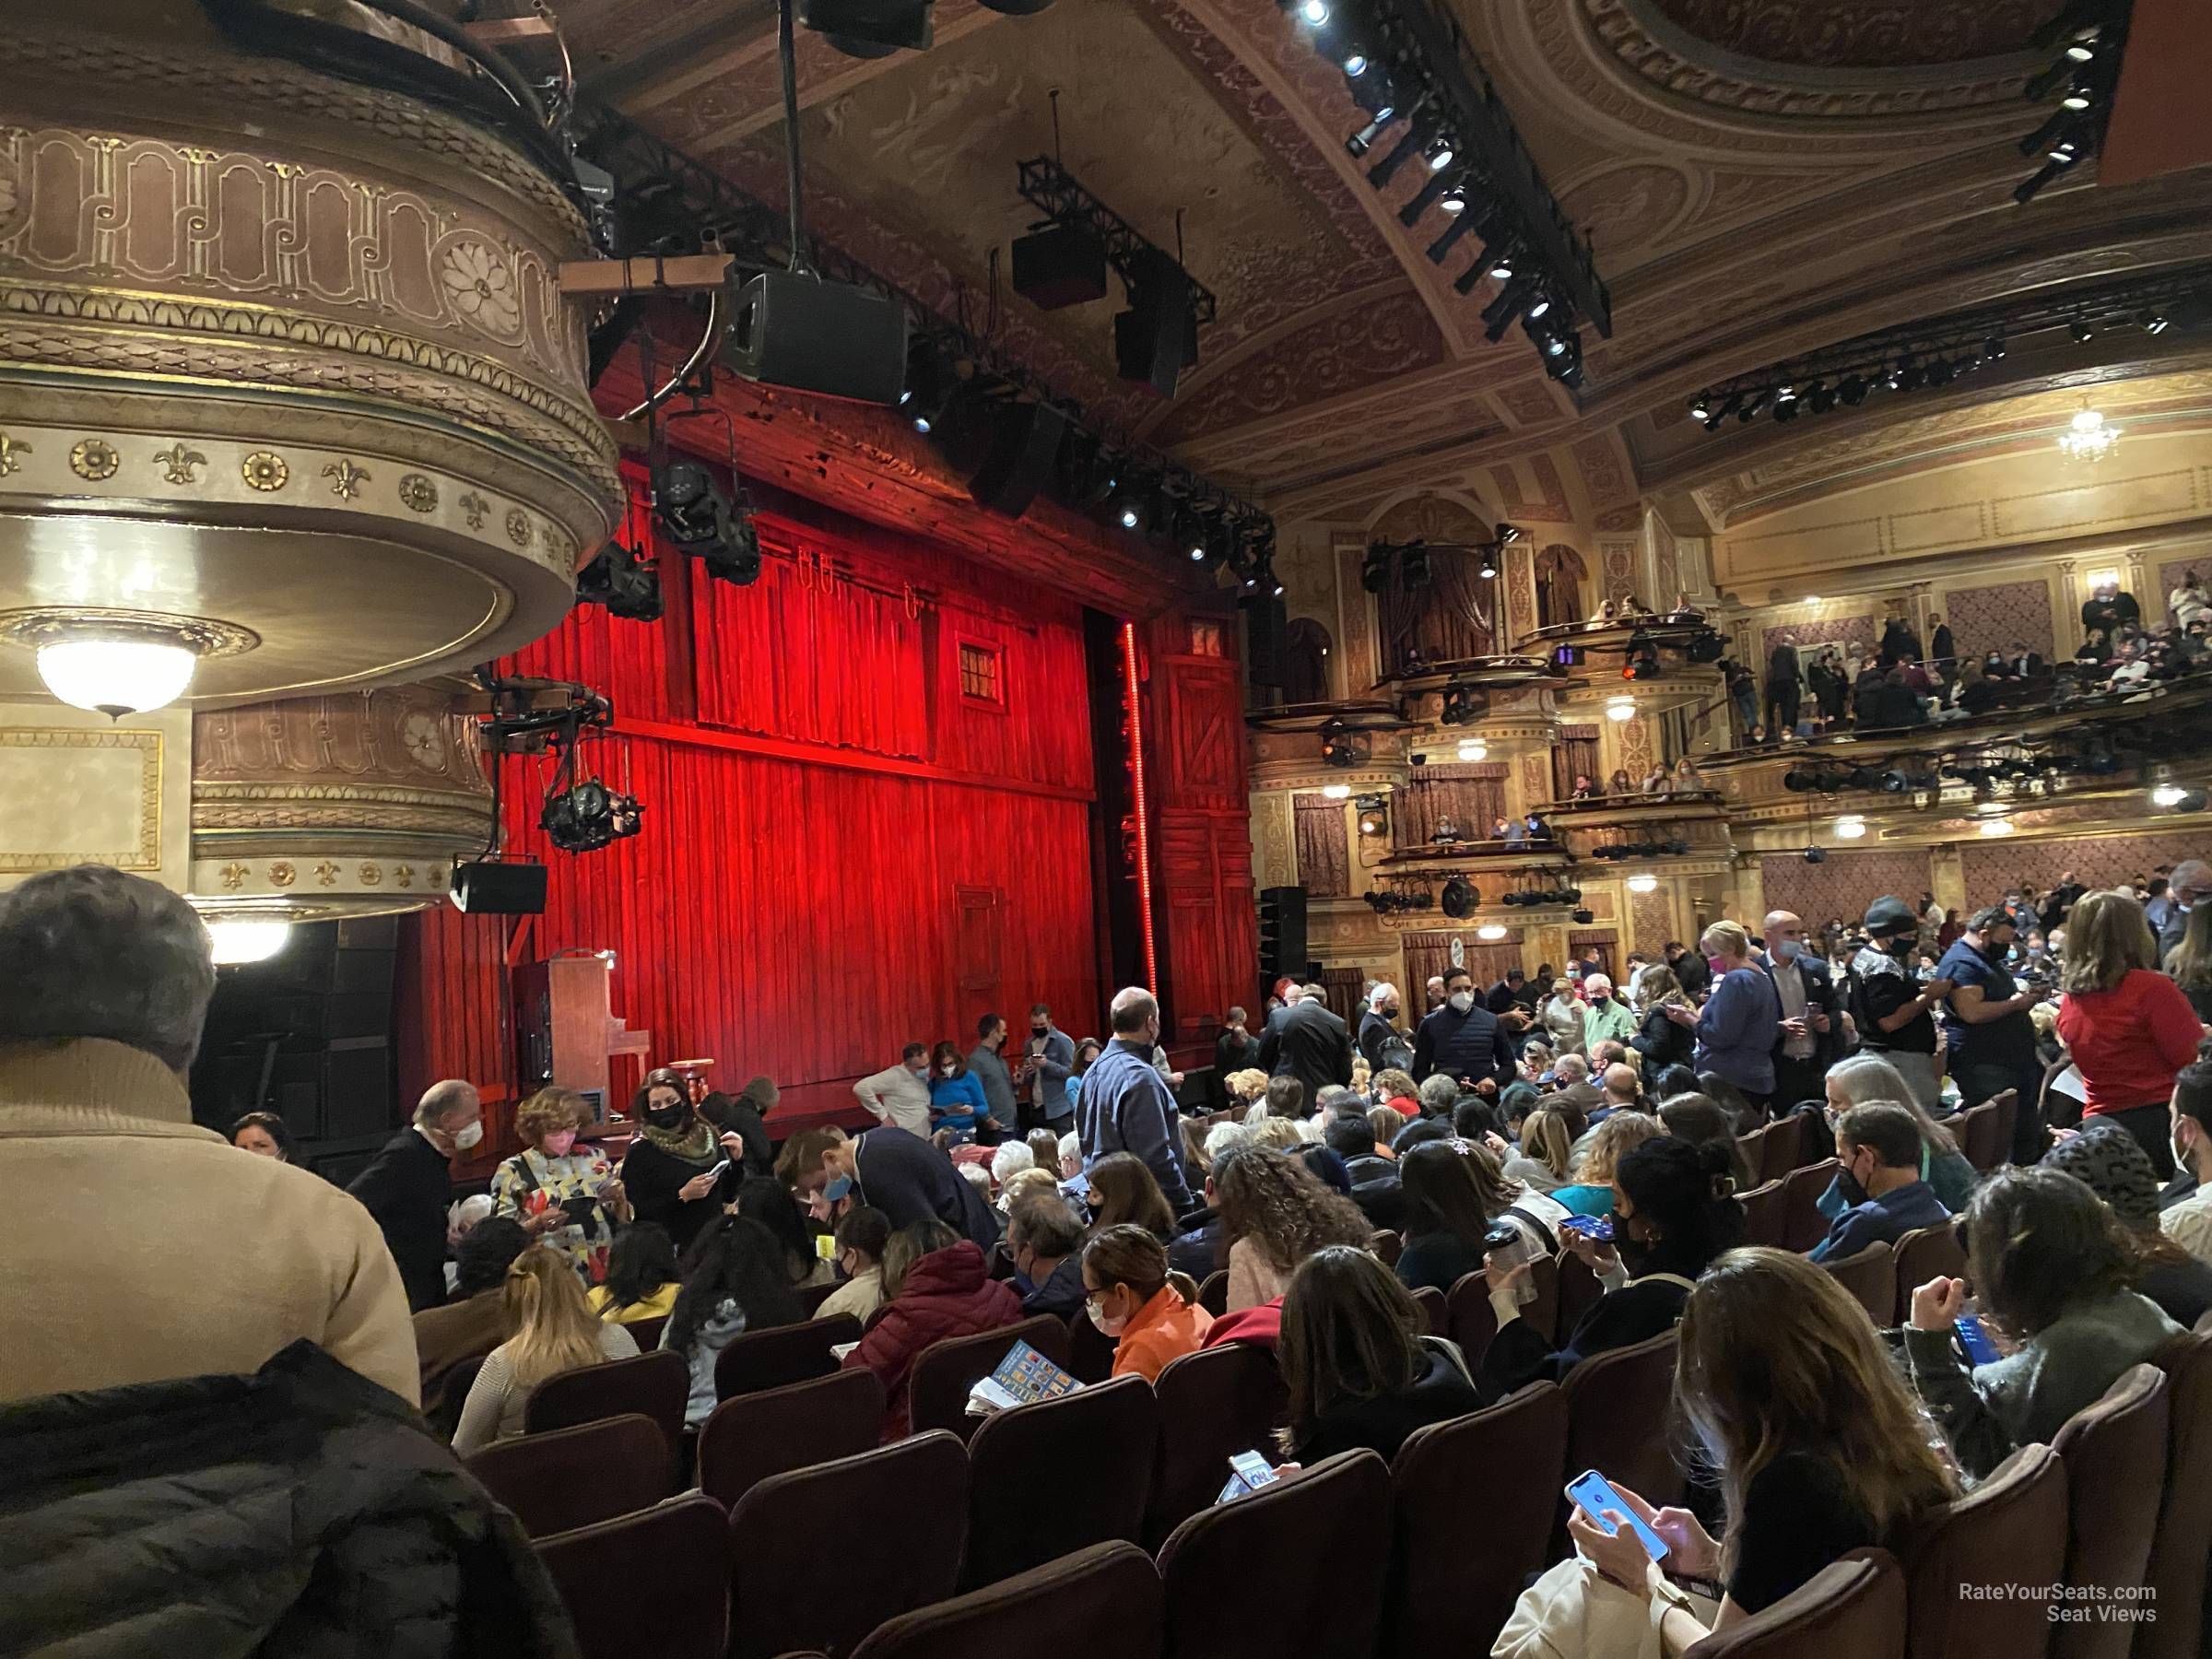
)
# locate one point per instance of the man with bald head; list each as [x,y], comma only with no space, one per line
[1125,1106]
[409,1185]
[1804,1039]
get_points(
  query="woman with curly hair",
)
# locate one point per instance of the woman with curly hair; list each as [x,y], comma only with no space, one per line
[1246,1087]
[565,1196]
[1277,1214]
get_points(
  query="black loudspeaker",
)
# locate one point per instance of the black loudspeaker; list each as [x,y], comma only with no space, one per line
[1283,934]
[1063,266]
[1265,623]
[1157,338]
[825,337]
[1021,457]
[499,890]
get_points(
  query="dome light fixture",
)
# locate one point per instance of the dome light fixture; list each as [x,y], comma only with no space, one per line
[1621,708]
[238,940]
[120,661]
[1850,828]
[1997,825]
[1474,748]
[1489,933]
[1336,791]
[1643,884]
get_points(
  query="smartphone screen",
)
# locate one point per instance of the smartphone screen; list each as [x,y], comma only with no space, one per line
[1591,1226]
[1594,1494]
[1979,1348]
[1253,1469]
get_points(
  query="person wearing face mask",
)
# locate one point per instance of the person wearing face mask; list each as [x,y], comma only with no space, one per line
[564,1194]
[986,1062]
[862,1236]
[898,1095]
[1464,1040]
[1893,1010]
[1804,1040]
[1992,1036]
[1736,1028]
[1606,1017]
[2185,1205]
[1049,1062]
[407,1186]
[675,1173]
[1380,1038]
[957,1100]
[1674,1211]
[1878,1167]
[1044,1242]
[1152,1314]
[1125,1106]
[2190,884]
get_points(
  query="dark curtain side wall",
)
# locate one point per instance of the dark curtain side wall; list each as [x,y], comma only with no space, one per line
[849,842]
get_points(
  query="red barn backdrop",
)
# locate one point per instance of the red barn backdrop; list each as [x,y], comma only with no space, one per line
[868,796]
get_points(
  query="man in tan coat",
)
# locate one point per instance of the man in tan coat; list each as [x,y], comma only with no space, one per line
[135,1246]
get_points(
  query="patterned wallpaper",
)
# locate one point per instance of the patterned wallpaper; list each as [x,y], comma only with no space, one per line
[2095,863]
[1651,915]
[1990,618]
[1843,887]
[1835,630]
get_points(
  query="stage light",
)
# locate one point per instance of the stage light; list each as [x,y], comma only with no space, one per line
[2167,795]
[241,940]
[1498,266]
[588,816]
[1455,200]
[1129,517]
[622,583]
[1440,155]
[1361,142]
[1356,63]
[1460,899]
[1814,855]
[1995,827]
[1374,568]
[1582,918]
[1315,12]
[1852,390]
[1621,709]
[2155,324]
[2083,334]
[1541,308]
[1701,409]
[693,513]
[870,29]
[1474,748]
[1413,566]
[1507,534]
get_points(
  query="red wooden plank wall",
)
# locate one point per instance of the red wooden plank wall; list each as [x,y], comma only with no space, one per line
[840,853]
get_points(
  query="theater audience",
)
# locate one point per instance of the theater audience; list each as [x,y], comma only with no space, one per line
[408,1183]
[1697,1119]
[956,1100]
[2112,1163]
[1130,1294]
[1125,1105]
[642,1276]
[736,1282]
[1817,1447]
[902,1175]
[1736,1030]
[863,1234]
[1373,1178]
[565,1196]
[935,1285]
[1878,1151]
[738,1123]
[1546,1152]
[769,1202]
[1562,1017]
[675,1173]
[1277,1213]
[1360,1367]
[1591,1191]
[1454,1192]
[1673,1214]
[2128,1027]
[1622,1091]
[2053,1276]
[1044,1242]
[1862,1078]
[1123,1192]
[553,1330]
[1658,1039]
[264,1133]
[900,1095]
[1606,1017]
[475,1323]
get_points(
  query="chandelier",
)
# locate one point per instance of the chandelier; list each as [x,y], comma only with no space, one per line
[2088,437]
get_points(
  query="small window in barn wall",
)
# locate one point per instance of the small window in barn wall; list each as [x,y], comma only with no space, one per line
[983,678]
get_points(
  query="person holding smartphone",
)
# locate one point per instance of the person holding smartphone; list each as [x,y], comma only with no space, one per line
[1820,1447]
[675,1172]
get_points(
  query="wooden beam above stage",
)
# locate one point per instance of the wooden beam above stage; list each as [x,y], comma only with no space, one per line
[866,461]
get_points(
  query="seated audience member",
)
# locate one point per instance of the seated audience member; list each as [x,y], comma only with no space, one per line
[738,1282]
[2186,1213]
[553,1330]
[863,1234]
[1285,1097]
[1421,1132]
[1515,1101]
[1386,1122]
[263,1134]
[1439,1095]
[1200,1247]
[1008,1159]
[1574,1087]
[1863,1079]
[1026,1184]
[1374,1178]
[1130,1294]
[2112,1163]
[1818,1446]
[770,1202]
[1673,1214]
[1454,1192]
[1286,1134]
[1044,1242]
[1123,1192]
[1877,1156]
[1246,1087]
[2053,1276]
[2128,1027]
[141,1247]
[1695,1118]
[955,1094]
[935,1284]
[1622,1091]
[477,1322]
[1356,1359]
[1277,1213]
[1324,1166]
[1591,1191]
[1541,1161]
[642,1276]
[1044,1148]
[1075,1186]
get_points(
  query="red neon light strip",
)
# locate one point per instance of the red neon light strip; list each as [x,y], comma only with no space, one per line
[1136,776]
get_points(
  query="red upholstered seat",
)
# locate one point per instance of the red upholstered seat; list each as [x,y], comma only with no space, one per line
[656,1582]
[780,1355]
[657,1385]
[1213,1404]
[747,1439]
[570,1477]
[1100,1444]
[2116,1458]
[1100,1603]
[2009,1530]
[1853,1608]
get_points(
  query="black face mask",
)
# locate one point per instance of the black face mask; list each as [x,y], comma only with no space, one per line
[1039,1031]
[665,1117]
[1634,1254]
[1902,946]
[1849,1189]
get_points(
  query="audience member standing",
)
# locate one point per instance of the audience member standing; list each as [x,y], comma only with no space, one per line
[140,1247]
[1804,1042]
[1895,1013]
[1311,1044]
[2128,1027]
[410,1183]
[898,1095]
[1736,1030]
[1235,1050]
[1125,1106]
[909,1179]
[1382,1038]
[565,1198]
[1692,972]
[1049,1060]
[1606,1017]
[1993,1044]
[1464,1040]
[1562,1018]
[675,1173]
[2190,883]
[986,1061]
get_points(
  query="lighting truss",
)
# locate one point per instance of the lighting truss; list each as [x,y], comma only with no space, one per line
[1061,198]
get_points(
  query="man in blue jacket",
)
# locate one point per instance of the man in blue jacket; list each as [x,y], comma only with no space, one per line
[1878,1147]
[1125,1106]
[1464,1040]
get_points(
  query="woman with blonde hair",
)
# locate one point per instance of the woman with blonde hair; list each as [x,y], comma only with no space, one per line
[1591,1193]
[1562,1018]
[1546,1152]
[1818,1446]
[2188,964]
[1736,1030]
[565,1196]
[1246,1087]
[1281,1135]
[1123,1192]
[1277,1213]
[554,1330]
[2130,1028]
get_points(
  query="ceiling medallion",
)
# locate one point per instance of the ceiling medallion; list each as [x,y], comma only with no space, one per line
[265,470]
[45,625]
[94,459]
[418,494]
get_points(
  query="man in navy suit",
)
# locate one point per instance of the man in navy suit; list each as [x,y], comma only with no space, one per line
[1804,1041]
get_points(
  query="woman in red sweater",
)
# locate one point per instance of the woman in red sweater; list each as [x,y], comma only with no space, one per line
[939,1286]
[2128,1027]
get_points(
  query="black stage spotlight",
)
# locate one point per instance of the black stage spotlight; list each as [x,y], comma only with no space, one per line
[1374,568]
[1460,898]
[621,582]
[1582,918]
[1799,781]
[1380,174]
[1361,142]
[1413,566]
[1816,856]
[1507,534]
[1706,646]
[1894,782]
[869,28]
[1499,314]
[588,816]
[1446,240]
[1426,197]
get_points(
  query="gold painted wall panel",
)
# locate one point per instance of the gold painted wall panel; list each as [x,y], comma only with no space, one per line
[82,789]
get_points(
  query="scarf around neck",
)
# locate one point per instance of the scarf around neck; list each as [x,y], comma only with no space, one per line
[694,1143]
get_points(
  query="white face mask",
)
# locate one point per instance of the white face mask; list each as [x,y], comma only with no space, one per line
[1462,1000]
[1108,1325]
[470,1136]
